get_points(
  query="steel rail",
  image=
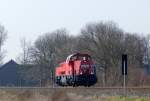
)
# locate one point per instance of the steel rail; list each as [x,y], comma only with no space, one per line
[141,87]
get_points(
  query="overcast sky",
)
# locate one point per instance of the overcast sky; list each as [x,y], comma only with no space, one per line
[31,18]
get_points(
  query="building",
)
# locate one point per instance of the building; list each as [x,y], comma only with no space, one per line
[10,76]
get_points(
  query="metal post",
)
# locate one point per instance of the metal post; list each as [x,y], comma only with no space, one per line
[40,82]
[124,84]
[124,73]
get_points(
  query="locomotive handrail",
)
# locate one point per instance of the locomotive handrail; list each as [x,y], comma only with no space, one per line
[69,57]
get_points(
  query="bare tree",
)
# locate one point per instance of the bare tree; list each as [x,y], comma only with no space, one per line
[103,40]
[3,35]
[24,58]
[107,42]
[49,50]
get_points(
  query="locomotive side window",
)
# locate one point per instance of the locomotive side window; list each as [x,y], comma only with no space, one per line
[84,58]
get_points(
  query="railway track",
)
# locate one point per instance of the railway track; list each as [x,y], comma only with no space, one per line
[108,91]
[141,87]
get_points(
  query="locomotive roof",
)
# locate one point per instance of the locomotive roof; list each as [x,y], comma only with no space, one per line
[76,54]
[81,54]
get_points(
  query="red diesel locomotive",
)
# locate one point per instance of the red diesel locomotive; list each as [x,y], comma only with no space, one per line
[77,70]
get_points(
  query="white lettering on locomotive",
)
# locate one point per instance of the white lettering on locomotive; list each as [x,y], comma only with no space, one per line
[84,66]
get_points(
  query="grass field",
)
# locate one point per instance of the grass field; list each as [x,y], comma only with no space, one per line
[65,95]
[119,98]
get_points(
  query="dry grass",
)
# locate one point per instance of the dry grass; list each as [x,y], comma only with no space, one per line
[40,96]
[61,95]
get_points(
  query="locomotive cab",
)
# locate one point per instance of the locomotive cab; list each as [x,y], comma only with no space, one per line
[78,69]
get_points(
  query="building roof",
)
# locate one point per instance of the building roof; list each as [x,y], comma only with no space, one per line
[9,64]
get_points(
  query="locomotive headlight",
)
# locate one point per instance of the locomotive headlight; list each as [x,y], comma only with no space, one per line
[92,72]
[81,73]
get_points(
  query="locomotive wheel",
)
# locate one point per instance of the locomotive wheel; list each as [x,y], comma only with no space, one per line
[74,85]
